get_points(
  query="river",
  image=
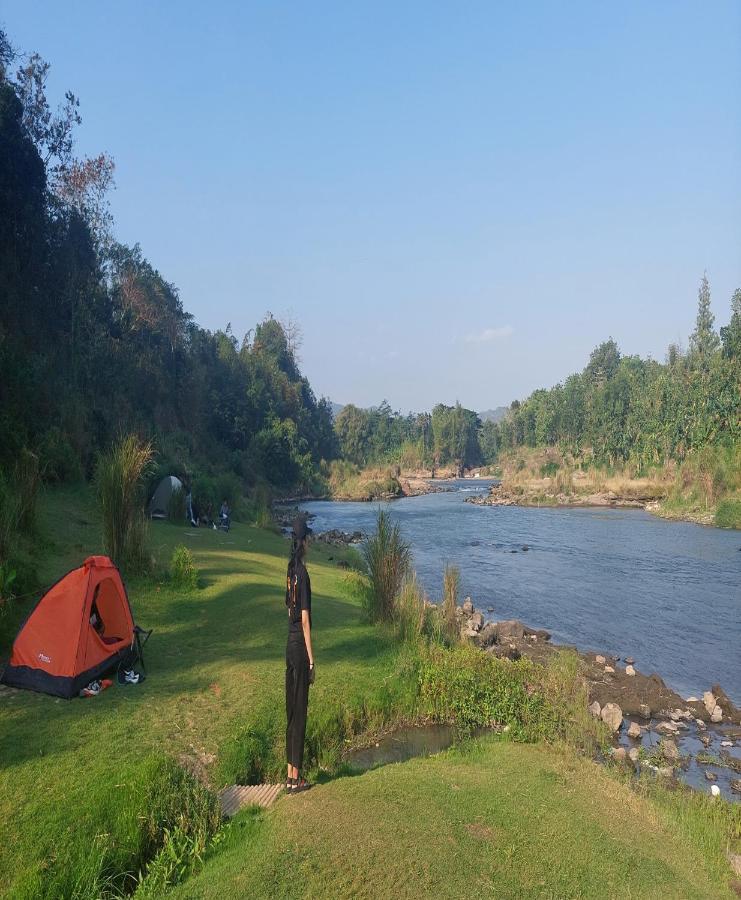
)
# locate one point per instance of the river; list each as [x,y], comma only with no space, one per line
[614,580]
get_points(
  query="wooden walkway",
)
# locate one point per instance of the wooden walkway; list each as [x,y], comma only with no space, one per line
[237,796]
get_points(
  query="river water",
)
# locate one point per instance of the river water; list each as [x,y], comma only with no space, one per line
[615,580]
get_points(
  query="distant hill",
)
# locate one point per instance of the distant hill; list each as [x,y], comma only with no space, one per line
[494,415]
[336,408]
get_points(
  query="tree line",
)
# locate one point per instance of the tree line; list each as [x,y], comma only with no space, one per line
[619,409]
[624,409]
[94,340]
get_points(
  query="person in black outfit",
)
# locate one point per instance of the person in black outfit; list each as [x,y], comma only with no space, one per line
[299,655]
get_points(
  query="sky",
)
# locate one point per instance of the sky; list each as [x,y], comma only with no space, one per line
[455,201]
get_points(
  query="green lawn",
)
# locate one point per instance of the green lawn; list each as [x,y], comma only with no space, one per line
[79,780]
[498,820]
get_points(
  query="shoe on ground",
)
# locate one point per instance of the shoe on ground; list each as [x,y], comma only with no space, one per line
[131,677]
[92,689]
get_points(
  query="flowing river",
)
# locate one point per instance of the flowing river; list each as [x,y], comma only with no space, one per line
[614,580]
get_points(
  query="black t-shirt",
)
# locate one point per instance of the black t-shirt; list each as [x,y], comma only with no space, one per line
[298,597]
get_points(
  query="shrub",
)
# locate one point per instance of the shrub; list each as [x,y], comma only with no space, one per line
[728,514]
[472,689]
[60,462]
[387,557]
[183,570]
[549,469]
[120,480]
[451,582]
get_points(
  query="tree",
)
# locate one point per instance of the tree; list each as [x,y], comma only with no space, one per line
[703,341]
[730,336]
[603,362]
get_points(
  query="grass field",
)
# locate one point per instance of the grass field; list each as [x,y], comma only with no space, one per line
[72,773]
[87,794]
[494,820]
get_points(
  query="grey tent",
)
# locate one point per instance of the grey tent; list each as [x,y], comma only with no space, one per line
[160,502]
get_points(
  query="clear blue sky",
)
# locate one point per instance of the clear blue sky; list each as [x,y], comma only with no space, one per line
[457,201]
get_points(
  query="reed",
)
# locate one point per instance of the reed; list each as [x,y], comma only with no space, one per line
[451,585]
[388,559]
[120,478]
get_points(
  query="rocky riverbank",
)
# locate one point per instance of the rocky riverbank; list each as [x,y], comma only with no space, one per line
[541,494]
[654,726]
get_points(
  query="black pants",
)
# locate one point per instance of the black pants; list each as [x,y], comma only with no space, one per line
[297,699]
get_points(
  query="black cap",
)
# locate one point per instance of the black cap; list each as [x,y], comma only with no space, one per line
[300,529]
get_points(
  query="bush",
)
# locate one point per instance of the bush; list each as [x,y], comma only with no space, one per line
[728,514]
[472,689]
[183,570]
[60,462]
[388,558]
[120,481]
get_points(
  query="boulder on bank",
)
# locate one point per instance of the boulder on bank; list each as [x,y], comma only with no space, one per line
[511,628]
[486,636]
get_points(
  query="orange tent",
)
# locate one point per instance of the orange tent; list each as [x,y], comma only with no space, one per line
[81,628]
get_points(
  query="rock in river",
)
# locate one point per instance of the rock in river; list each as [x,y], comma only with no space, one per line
[669,750]
[612,716]
[634,731]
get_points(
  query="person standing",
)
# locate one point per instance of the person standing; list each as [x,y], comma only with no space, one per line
[299,655]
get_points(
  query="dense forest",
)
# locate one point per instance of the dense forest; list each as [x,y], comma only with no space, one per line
[94,341]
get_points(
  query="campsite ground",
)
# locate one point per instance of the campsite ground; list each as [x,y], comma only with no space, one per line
[78,779]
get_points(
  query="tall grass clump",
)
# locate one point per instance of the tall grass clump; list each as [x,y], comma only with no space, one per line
[183,569]
[263,506]
[451,584]
[388,559]
[409,611]
[120,476]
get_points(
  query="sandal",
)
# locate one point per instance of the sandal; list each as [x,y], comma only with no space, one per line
[299,785]
[289,785]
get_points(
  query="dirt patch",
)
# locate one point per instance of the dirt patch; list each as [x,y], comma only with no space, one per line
[482,832]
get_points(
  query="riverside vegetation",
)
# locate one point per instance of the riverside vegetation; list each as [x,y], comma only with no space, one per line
[141,813]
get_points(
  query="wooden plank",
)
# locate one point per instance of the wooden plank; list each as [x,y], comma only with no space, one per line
[237,796]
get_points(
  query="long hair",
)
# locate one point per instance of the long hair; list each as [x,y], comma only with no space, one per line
[298,549]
